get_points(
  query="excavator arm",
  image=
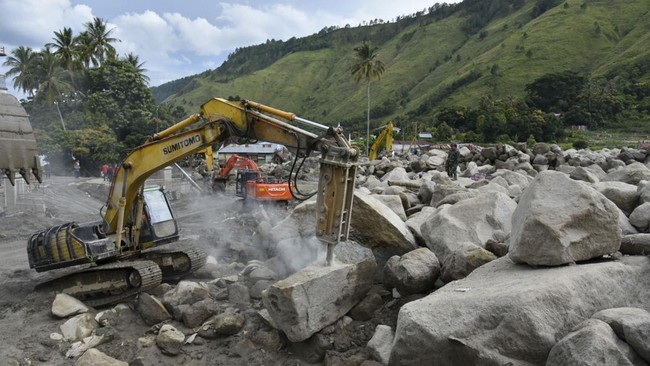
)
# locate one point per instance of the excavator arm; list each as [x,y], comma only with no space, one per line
[221,120]
[386,136]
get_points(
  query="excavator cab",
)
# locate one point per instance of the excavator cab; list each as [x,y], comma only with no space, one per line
[159,224]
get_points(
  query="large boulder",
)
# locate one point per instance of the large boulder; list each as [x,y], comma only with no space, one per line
[592,173]
[640,217]
[330,291]
[414,272]
[377,226]
[592,343]
[559,220]
[631,325]
[499,314]
[624,195]
[631,174]
[170,340]
[151,309]
[394,202]
[468,223]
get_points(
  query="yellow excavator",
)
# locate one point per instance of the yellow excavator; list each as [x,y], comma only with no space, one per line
[384,138]
[130,244]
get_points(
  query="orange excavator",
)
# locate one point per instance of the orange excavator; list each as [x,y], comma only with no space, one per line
[250,183]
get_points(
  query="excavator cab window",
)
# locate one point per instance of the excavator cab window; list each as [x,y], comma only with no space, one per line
[243,176]
[161,218]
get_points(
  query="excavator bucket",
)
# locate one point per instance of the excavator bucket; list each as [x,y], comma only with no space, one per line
[18,151]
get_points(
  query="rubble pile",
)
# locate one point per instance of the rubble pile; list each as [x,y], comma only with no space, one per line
[531,254]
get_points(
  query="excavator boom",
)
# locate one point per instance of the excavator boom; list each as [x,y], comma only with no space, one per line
[385,137]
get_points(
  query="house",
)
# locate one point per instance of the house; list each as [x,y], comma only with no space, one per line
[401,147]
[261,152]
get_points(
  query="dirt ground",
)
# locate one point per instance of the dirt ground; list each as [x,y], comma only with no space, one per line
[27,323]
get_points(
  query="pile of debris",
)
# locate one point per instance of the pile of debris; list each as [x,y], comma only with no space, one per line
[530,255]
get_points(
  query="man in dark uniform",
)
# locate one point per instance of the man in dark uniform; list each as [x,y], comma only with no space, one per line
[451,165]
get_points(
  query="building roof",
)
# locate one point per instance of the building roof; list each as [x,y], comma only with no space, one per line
[258,148]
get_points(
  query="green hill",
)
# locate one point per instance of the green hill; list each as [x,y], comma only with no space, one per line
[449,55]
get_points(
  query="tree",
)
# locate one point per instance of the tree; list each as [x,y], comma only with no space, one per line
[64,48]
[100,40]
[22,63]
[53,79]
[555,92]
[134,60]
[367,68]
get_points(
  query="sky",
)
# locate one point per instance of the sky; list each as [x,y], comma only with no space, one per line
[177,38]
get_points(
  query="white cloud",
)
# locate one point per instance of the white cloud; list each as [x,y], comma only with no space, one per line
[173,43]
[33,22]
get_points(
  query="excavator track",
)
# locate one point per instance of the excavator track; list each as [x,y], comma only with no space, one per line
[176,260]
[110,283]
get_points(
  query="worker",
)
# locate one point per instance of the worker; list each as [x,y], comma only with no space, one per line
[105,169]
[77,169]
[451,164]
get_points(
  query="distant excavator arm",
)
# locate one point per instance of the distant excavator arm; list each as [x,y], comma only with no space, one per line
[386,136]
[222,120]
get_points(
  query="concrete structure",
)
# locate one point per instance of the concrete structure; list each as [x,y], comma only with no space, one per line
[261,152]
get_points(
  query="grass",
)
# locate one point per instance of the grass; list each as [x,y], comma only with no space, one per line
[318,85]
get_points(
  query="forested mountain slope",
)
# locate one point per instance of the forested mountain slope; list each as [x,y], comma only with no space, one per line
[446,55]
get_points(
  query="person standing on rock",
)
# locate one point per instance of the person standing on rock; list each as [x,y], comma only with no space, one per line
[451,164]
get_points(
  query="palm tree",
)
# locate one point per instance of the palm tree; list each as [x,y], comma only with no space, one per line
[134,60]
[367,68]
[100,40]
[53,79]
[83,48]
[64,48]
[22,63]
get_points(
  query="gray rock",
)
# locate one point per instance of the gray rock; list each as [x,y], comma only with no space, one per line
[640,217]
[461,263]
[186,292]
[259,286]
[624,223]
[623,195]
[197,313]
[643,189]
[65,305]
[631,174]
[415,221]
[447,230]
[443,190]
[364,310]
[170,340]
[457,197]
[239,295]
[381,343]
[631,325]
[94,357]
[592,173]
[225,324]
[378,226]
[499,314]
[394,202]
[78,327]
[151,309]
[591,343]
[415,272]
[396,174]
[547,231]
[331,291]
[636,244]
